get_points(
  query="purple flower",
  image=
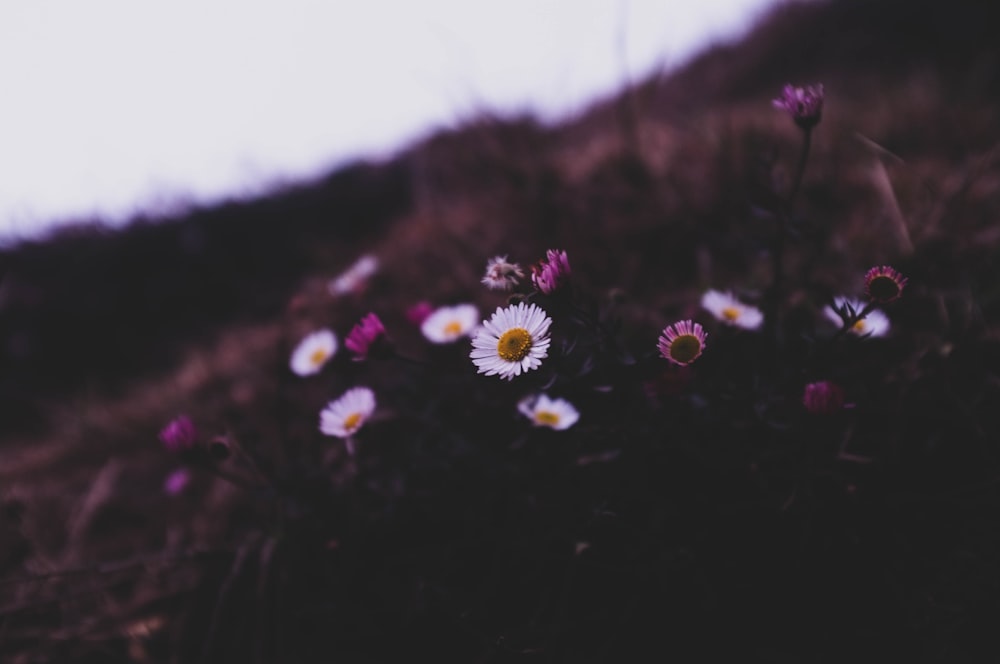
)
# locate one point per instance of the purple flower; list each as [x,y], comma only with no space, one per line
[364,334]
[823,398]
[176,481]
[419,312]
[551,272]
[179,435]
[805,105]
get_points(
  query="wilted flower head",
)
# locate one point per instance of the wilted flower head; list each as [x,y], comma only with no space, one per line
[875,323]
[823,398]
[355,276]
[551,272]
[805,104]
[313,352]
[682,342]
[179,435]
[448,324]
[556,414]
[514,340]
[501,275]
[363,335]
[344,416]
[419,312]
[731,311]
[883,284]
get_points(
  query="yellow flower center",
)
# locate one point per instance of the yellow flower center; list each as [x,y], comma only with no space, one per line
[352,422]
[317,357]
[730,313]
[859,327]
[453,329]
[685,348]
[514,344]
[547,418]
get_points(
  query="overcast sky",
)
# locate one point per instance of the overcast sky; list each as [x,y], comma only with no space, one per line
[109,106]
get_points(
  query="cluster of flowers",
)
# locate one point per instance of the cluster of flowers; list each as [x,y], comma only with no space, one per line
[516,339]
[683,342]
[883,284]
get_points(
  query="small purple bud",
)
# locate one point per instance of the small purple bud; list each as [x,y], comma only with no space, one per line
[179,435]
[176,481]
[364,335]
[419,312]
[823,398]
[804,104]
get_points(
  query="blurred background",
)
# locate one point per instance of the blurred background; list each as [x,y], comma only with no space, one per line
[113,107]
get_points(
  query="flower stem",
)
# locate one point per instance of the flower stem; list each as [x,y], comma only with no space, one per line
[800,168]
[784,218]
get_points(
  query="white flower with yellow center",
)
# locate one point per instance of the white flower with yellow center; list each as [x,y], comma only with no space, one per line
[556,414]
[731,311]
[875,323]
[448,324]
[313,352]
[343,417]
[513,341]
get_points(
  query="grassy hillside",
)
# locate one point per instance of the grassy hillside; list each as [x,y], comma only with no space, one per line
[694,512]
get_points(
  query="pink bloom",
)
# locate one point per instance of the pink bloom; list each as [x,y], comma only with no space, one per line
[551,272]
[176,481]
[419,312]
[823,398]
[883,284]
[364,334]
[805,104]
[179,435]
[682,342]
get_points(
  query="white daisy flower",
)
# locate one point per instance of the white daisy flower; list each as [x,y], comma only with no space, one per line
[353,277]
[343,417]
[731,311]
[313,352]
[556,414]
[875,323]
[448,324]
[514,340]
